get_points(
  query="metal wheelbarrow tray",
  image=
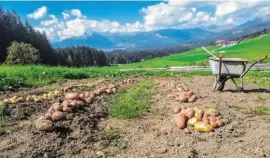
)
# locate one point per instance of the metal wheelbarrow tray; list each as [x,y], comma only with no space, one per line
[229,68]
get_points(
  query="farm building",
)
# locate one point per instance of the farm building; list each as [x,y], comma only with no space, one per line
[220,42]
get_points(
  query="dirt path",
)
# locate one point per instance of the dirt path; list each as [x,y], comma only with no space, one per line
[246,134]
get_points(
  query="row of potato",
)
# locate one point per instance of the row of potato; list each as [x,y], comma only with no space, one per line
[15,99]
[187,96]
[59,111]
[203,121]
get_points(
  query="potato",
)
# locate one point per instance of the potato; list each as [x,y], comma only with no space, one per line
[57,106]
[113,90]
[180,120]
[198,114]
[79,104]
[51,110]
[189,113]
[58,115]
[203,127]
[205,120]
[219,123]
[72,96]
[183,99]
[73,104]
[109,91]
[44,125]
[67,109]
[213,123]
[81,96]
[188,94]
[111,86]
[177,109]
[86,94]
[192,99]
[66,103]
[218,117]
[192,121]
[88,100]
[176,98]
[212,118]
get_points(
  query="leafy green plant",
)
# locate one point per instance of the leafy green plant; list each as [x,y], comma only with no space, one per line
[261,110]
[134,102]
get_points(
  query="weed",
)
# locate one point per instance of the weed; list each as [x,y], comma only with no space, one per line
[120,144]
[134,102]
[111,134]
[260,97]
[261,110]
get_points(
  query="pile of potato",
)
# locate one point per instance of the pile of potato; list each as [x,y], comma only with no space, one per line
[187,96]
[203,121]
[49,96]
[59,111]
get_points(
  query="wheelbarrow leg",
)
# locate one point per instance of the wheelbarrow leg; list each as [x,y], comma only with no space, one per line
[215,83]
[242,83]
[238,88]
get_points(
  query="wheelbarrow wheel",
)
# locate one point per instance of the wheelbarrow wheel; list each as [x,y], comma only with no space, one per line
[221,83]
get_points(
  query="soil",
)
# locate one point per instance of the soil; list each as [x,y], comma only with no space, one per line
[245,134]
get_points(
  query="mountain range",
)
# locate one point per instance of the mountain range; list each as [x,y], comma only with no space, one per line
[161,38]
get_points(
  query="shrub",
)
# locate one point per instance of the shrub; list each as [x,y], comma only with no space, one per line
[22,53]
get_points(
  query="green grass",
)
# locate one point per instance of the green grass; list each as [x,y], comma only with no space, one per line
[257,110]
[31,76]
[134,102]
[251,49]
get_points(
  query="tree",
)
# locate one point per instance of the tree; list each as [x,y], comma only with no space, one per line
[22,53]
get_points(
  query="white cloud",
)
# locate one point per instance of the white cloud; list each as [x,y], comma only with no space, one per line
[65,15]
[53,20]
[194,9]
[39,13]
[77,13]
[229,21]
[226,7]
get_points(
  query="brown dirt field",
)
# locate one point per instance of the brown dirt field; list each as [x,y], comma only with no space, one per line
[245,134]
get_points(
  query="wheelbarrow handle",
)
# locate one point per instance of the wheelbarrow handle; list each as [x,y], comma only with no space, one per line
[263,58]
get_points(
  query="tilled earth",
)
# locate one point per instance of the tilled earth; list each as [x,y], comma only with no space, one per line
[245,134]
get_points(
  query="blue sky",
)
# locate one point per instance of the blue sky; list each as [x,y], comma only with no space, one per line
[62,20]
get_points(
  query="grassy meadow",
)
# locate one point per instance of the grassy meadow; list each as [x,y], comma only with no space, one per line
[251,49]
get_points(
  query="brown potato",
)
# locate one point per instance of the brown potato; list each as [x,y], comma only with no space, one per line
[180,120]
[183,99]
[189,113]
[177,109]
[213,123]
[81,96]
[188,94]
[67,109]
[109,91]
[211,112]
[219,123]
[58,115]
[111,86]
[203,127]
[205,120]
[57,106]
[212,118]
[176,98]
[66,103]
[72,96]
[88,100]
[192,99]
[73,104]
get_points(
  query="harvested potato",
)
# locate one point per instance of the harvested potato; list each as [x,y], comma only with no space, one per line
[72,96]
[66,103]
[189,112]
[57,106]
[113,90]
[192,121]
[87,94]
[67,109]
[88,100]
[183,99]
[213,123]
[188,94]
[81,96]
[177,109]
[198,114]
[51,110]
[58,115]
[180,120]
[79,104]
[192,99]
[44,125]
[73,103]
[212,118]
[109,91]
[205,120]
[111,86]
[219,123]
[203,127]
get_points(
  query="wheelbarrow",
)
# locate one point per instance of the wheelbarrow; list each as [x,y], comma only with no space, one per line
[224,69]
